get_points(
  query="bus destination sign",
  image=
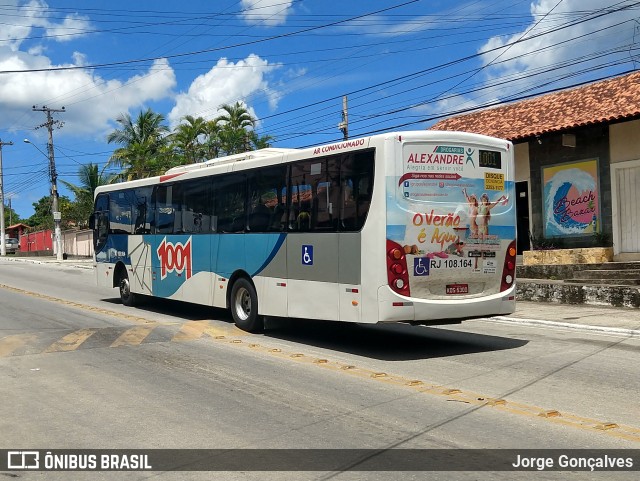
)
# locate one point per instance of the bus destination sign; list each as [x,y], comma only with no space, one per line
[490,158]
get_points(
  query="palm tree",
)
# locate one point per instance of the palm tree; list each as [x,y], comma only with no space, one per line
[90,178]
[213,142]
[236,123]
[236,116]
[186,139]
[260,142]
[141,143]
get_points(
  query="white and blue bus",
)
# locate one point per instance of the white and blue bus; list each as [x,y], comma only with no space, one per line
[415,227]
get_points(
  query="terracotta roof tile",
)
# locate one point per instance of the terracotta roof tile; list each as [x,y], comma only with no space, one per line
[608,100]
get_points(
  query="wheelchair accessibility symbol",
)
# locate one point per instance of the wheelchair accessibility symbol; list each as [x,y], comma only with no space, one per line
[307,255]
[420,266]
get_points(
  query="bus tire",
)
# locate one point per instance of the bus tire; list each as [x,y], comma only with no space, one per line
[127,297]
[244,306]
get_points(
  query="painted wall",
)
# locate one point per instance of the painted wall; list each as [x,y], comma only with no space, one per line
[40,241]
[591,142]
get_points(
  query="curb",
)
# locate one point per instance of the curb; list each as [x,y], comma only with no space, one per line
[618,331]
[68,263]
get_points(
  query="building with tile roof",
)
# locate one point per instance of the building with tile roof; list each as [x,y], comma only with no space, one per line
[576,150]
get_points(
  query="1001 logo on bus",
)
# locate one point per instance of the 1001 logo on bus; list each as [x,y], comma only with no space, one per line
[175,257]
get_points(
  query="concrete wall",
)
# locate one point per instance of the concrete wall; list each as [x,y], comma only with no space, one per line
[78,243]
[625,141]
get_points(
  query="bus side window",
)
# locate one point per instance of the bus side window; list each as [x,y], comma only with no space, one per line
[230,202]
[101,222]
[265,198]
[197,206]
[326,197]
[357,189]
[143,210]
[121,219]
[303,174]
[165,211]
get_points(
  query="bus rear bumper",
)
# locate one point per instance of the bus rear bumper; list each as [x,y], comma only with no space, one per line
[395,308]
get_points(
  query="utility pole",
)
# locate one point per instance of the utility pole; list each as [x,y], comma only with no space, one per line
[3,248]
[52,172]
[344,125]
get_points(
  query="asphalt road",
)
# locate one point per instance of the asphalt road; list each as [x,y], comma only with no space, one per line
[79,370]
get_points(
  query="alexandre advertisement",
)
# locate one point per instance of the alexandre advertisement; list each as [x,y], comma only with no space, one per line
[453,212]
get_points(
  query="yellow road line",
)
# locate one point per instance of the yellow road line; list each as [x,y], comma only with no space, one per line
[133,336]
[595,426]
[191,330]
[195,329]
[71,341]
[10,344]
[85,307]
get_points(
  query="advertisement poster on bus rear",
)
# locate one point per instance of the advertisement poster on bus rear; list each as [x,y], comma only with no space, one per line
[453,214]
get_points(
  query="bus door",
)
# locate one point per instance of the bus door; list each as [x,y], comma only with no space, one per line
[312,243]
[129,226]
[140,242]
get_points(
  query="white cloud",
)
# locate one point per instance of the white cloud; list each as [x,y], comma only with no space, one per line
[91,101]
[558,45]
[266,12]
[225,83]
[558,58]
[71,27]
[32,19]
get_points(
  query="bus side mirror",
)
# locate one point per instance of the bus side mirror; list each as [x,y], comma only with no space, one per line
[92,221]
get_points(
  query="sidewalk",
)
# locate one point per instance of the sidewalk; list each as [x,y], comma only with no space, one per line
[81,263]
[606,319]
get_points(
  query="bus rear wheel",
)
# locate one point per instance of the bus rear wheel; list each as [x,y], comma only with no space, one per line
[127,297]
[244,306]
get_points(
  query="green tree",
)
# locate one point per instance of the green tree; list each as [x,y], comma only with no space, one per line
[185,139]
[236,124]
[10,216]
[144,143]
[42,217]
[259,141]
[90,177]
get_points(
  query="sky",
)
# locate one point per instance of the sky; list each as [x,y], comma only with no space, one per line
[402,65]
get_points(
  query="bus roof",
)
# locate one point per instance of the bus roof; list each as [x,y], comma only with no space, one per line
[253,155]
[273,154]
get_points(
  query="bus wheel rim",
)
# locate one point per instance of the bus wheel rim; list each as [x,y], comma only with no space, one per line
[124,288]
[243,304]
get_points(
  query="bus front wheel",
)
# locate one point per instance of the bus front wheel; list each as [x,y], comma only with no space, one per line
[127,297]
[244,306]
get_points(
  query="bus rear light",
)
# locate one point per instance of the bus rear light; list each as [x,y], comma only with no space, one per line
[509,269]
[397,275]
[397,268]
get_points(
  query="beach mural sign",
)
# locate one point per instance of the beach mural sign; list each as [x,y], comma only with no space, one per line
[571,199]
